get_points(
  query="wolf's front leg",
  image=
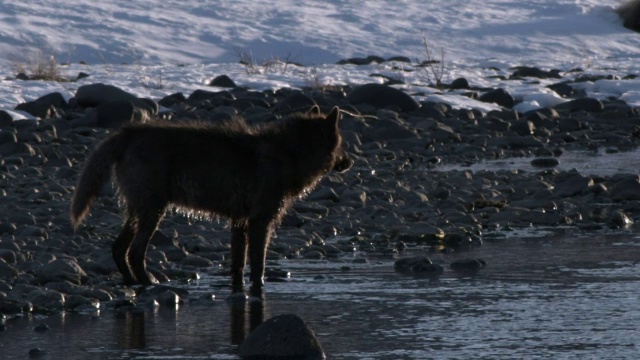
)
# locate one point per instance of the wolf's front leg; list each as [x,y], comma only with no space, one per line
[239,238]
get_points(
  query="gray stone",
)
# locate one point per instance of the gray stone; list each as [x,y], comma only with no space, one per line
[498,96]
[61,270]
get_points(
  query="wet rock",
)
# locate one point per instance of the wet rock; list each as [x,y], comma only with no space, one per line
[282,337]
[37,353]
[47,300]
[545,162]
[169,298]
[14,306]
[418,265]
[196,261]
[619,220]
[237,298]
[382,96]
[468,266]
[41,328]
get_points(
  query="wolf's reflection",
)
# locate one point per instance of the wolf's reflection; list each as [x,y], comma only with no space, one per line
[254,309]
[132,335]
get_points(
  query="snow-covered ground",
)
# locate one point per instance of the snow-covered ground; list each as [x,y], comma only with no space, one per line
[154,48]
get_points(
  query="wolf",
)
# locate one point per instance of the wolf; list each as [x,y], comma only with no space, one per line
[248,174]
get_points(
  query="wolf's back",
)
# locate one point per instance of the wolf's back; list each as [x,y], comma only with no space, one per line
[96,173]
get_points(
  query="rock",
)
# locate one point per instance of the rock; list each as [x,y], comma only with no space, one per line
[7,271]
[61,270]
[581,104]
[47,300]
[54,99]
[527,71]
[361,61]
[169,298]
[294,102]
[625,189]
[14,306]
[215,97]
[6,119]
[173,99]
[459,83]
[222,81]
[573,184]
[94,95]
[619,220]
[114,114]
[282,337]
[81,303]
[37,353]
[196,261]
[41,110]
[418,265]
[547,162]
[17,148]
[468,266]
[498,96]
[382,96]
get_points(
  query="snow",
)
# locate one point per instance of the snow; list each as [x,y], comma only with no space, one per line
[153,48]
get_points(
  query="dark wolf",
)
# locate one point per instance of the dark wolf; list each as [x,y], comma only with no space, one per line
[249,174]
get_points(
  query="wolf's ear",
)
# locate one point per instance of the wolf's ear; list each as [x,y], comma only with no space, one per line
[334,116]
[315,110]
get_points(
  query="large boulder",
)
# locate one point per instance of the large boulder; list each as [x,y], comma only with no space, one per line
[94,95]
[382,96]
[282,337]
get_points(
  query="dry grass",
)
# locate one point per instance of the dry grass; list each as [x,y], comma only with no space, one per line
[273,65]
[40,66]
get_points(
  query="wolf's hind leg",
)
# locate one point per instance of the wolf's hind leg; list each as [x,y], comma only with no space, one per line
[120,250]
[147,223]
[259,236]
[239,244]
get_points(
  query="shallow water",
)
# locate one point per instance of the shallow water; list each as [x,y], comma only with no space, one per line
[539,297]
[599,163]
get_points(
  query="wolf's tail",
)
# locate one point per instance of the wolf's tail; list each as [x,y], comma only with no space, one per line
[96,173]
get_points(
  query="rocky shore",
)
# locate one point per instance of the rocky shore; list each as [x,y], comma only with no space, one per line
[395,195]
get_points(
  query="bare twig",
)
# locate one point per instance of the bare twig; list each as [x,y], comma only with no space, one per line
[433,69]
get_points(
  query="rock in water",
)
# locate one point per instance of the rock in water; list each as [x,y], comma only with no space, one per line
[282,337]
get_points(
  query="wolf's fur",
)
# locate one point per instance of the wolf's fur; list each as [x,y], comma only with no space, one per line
[248,174]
